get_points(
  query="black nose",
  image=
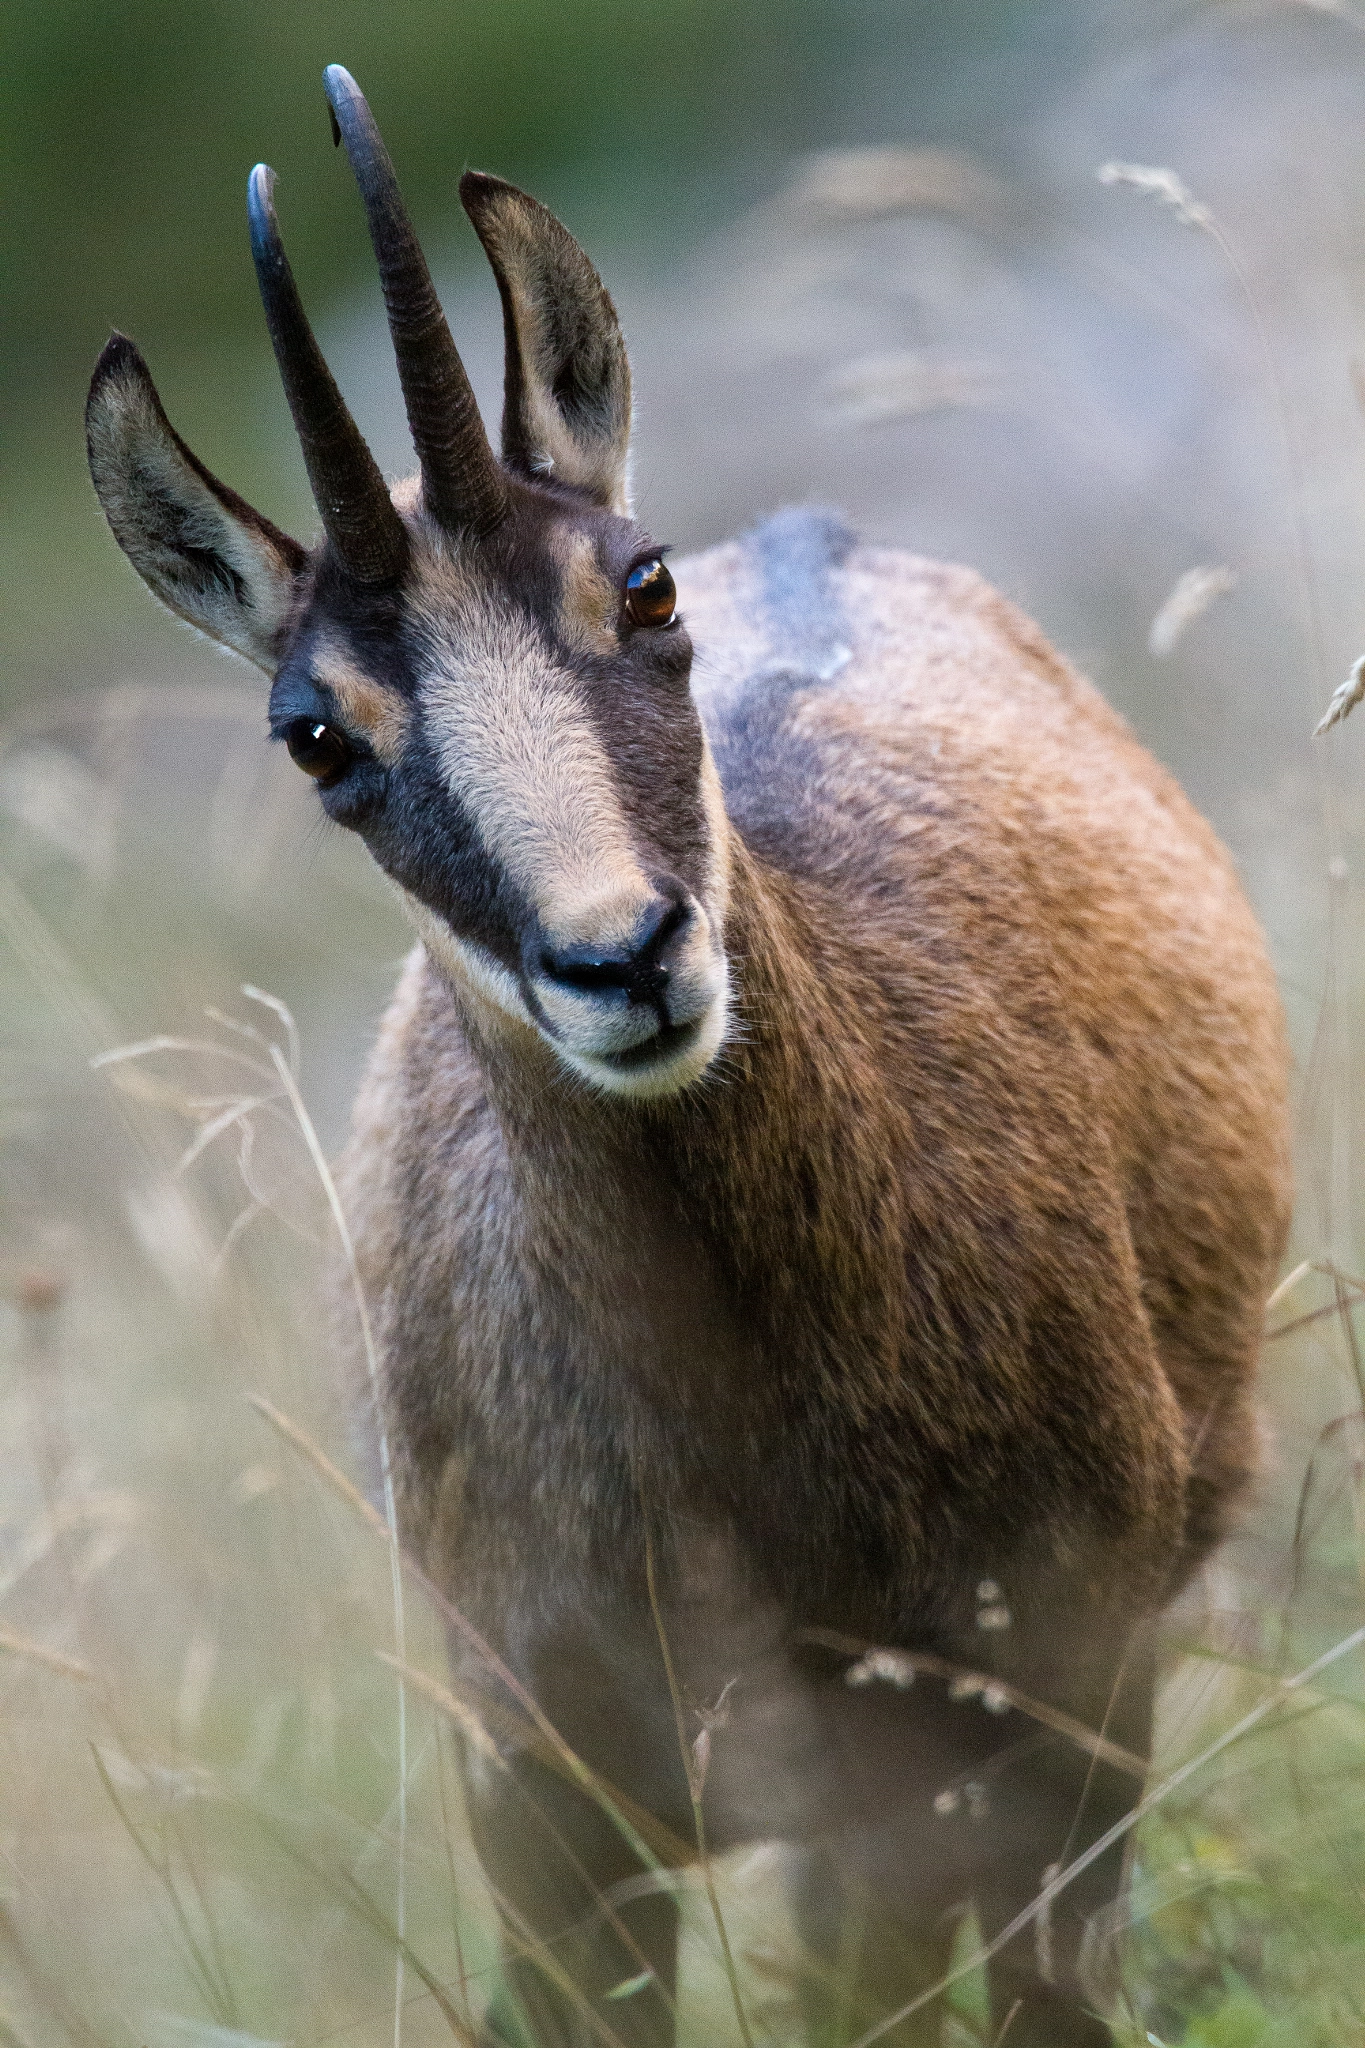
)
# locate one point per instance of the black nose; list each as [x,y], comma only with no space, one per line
[642,972]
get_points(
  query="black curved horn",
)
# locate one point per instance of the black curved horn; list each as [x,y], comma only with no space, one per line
[462,482]
[351,494]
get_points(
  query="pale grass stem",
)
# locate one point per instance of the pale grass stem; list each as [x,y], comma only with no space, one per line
[1189,598]
[1344,1285]
[238,1113]
[555,1747]
[329,1186]
[969,1683]
[1290,1282]
[693,1776]
[1163,184]
[1344,698]
[462,1715]
[37,1653]
[542,1738]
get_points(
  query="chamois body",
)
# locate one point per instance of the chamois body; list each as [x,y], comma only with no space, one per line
[817,1184]
[953,1271]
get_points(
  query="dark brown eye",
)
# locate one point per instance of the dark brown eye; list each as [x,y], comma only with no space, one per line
[319,750]
[650,595]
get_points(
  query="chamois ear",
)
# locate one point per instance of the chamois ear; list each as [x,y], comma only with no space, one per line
[198,546]
[566,402]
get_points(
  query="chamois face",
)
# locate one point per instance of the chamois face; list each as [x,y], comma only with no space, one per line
[483,671]
[513,735]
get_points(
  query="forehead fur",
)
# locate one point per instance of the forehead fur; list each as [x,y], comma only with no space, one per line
[558,560]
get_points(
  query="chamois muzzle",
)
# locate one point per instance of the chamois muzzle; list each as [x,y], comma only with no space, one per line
[463,485]
[643,1015]
[351,494]
[641,974]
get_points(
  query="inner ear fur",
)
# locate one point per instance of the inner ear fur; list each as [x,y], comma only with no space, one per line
[199,547]
[566,398]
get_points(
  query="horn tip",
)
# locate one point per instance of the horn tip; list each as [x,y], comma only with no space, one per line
[260,211]
[338,83]
[346,103]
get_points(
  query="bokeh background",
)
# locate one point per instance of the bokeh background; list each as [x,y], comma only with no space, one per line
[862,256]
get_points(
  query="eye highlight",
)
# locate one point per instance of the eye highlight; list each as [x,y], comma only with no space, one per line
[320,750]
[651,595]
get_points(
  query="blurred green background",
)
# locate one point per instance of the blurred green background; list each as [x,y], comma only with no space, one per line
[126,132]
[862,256]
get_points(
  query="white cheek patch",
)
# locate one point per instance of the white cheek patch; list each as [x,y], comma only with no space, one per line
[467,964]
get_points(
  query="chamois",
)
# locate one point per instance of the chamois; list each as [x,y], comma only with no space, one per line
[817,1183]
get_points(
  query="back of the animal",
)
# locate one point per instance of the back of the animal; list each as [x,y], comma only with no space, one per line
[816,1189]
[1042,904]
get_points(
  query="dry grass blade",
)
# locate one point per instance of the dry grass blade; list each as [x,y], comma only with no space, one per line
[227,1119]
[1094,1744]
[1342,1284]
[635,1826]
[530,1946]
[286,1017]
[214,1987]
[1101,1846]
[473,1730]
[458,1710]
[1290,1282]
[691,1766]
[874,390]
[666,1849]
[1163,185]
[288,1076]
[838,187]
[162,1042]
[1190,597]
[1344,698]
[52,972]
[320,1462]
[52,1660]
[352,1893]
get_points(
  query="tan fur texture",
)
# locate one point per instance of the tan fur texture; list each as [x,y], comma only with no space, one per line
[365,706]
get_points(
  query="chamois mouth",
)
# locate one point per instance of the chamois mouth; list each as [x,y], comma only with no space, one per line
[665,1043]
[665,1063]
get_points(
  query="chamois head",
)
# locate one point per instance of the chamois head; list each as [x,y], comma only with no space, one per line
[482,671]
